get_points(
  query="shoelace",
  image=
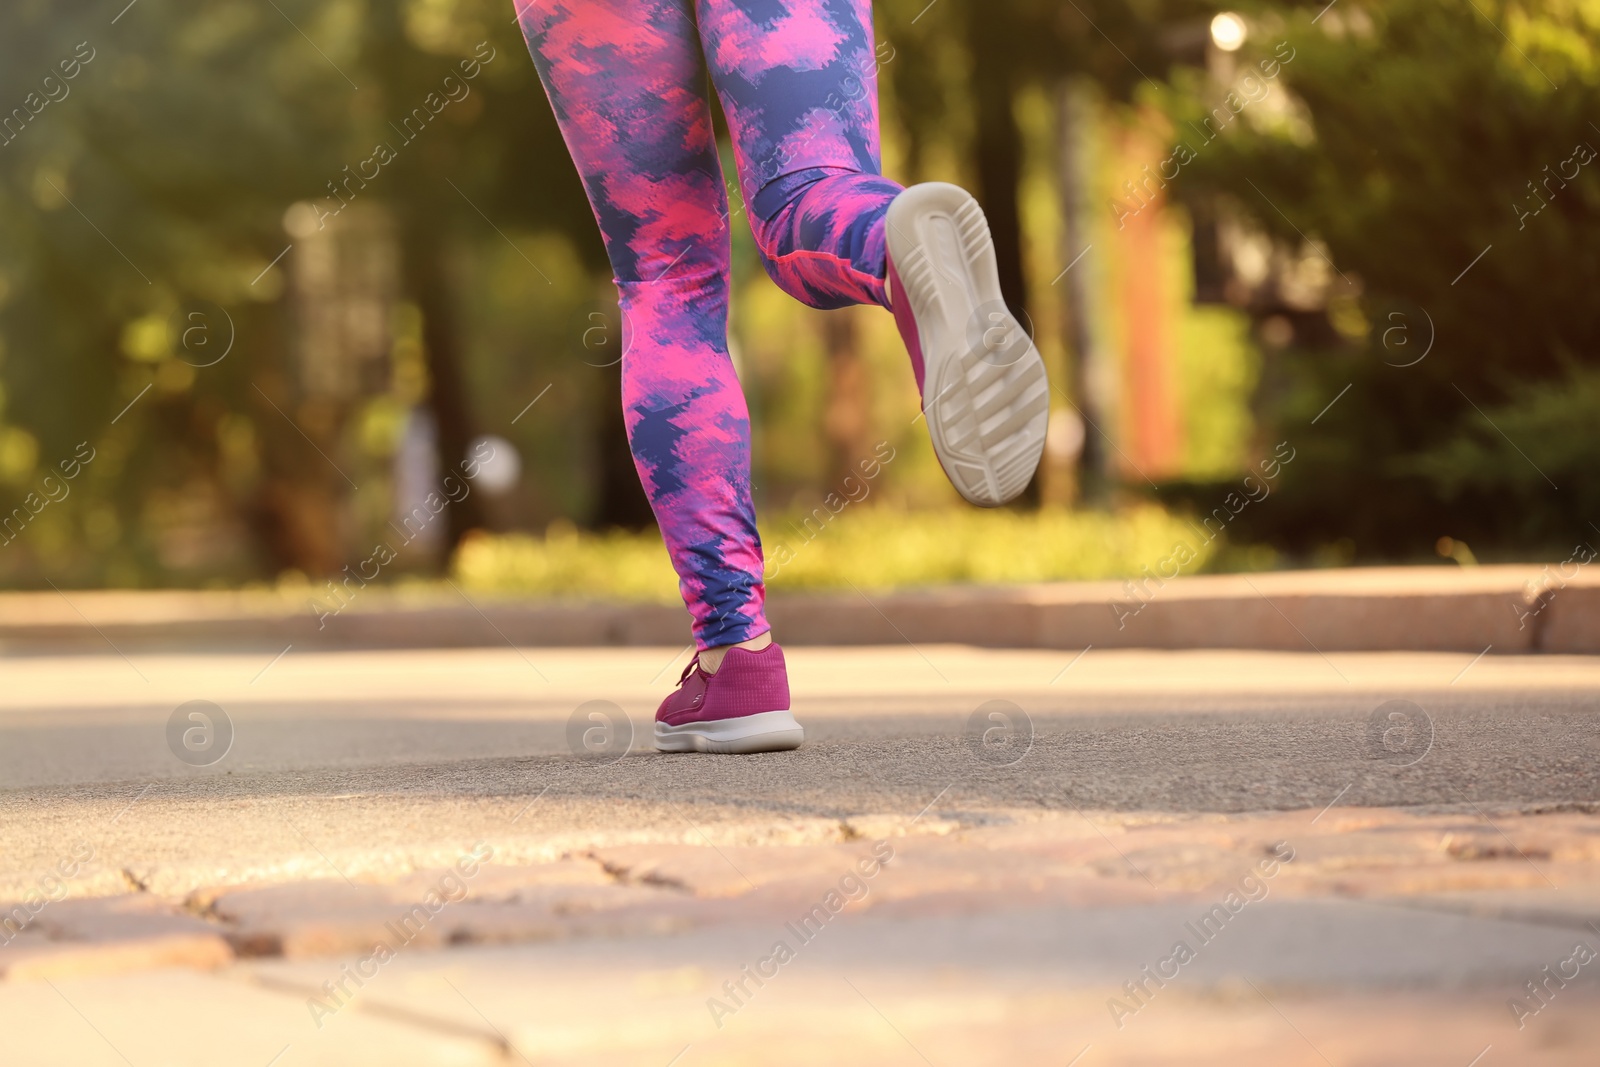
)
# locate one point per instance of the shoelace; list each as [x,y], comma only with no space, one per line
[693,663]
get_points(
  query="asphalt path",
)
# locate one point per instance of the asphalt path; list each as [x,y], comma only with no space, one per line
[365,753]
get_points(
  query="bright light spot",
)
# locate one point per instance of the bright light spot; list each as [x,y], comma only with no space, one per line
[498,466]
[1228,31]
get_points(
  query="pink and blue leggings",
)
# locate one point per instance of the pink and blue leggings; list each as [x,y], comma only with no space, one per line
[798,83]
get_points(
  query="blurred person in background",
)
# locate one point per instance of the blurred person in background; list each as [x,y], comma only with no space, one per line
[797,80]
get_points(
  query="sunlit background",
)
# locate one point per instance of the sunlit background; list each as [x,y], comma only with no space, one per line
[1315,286]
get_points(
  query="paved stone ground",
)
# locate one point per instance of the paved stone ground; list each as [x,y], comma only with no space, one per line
[1185,858]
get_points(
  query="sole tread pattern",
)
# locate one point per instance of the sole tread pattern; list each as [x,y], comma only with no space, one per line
[988,399]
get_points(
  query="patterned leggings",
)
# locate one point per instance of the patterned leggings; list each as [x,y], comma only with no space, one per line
[798,82]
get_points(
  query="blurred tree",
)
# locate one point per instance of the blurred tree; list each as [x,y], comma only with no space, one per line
[156,180]
[847,414]
[1443,156]
[957,72]
[499,166]
[148,157]
[153,180]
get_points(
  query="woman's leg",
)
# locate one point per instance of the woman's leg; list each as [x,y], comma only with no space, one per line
[627,82]
[798,82]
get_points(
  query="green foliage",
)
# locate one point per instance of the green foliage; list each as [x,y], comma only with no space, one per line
[865,547]
[1542,444]
[1218,371]
[1418,134]
[161,177]
[160,172]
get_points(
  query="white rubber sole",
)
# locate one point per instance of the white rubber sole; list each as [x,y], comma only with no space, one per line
[767,731]
[984,389]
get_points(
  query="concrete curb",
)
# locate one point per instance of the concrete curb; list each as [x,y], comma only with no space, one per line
[1513,608]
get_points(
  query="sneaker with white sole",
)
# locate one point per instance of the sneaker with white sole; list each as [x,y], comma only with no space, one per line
[743,707]
[984,389]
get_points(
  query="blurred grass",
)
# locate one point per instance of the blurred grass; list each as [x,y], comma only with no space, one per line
[869,547]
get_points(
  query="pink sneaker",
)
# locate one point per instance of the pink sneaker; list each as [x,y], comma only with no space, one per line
[983,384]
[744,707]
